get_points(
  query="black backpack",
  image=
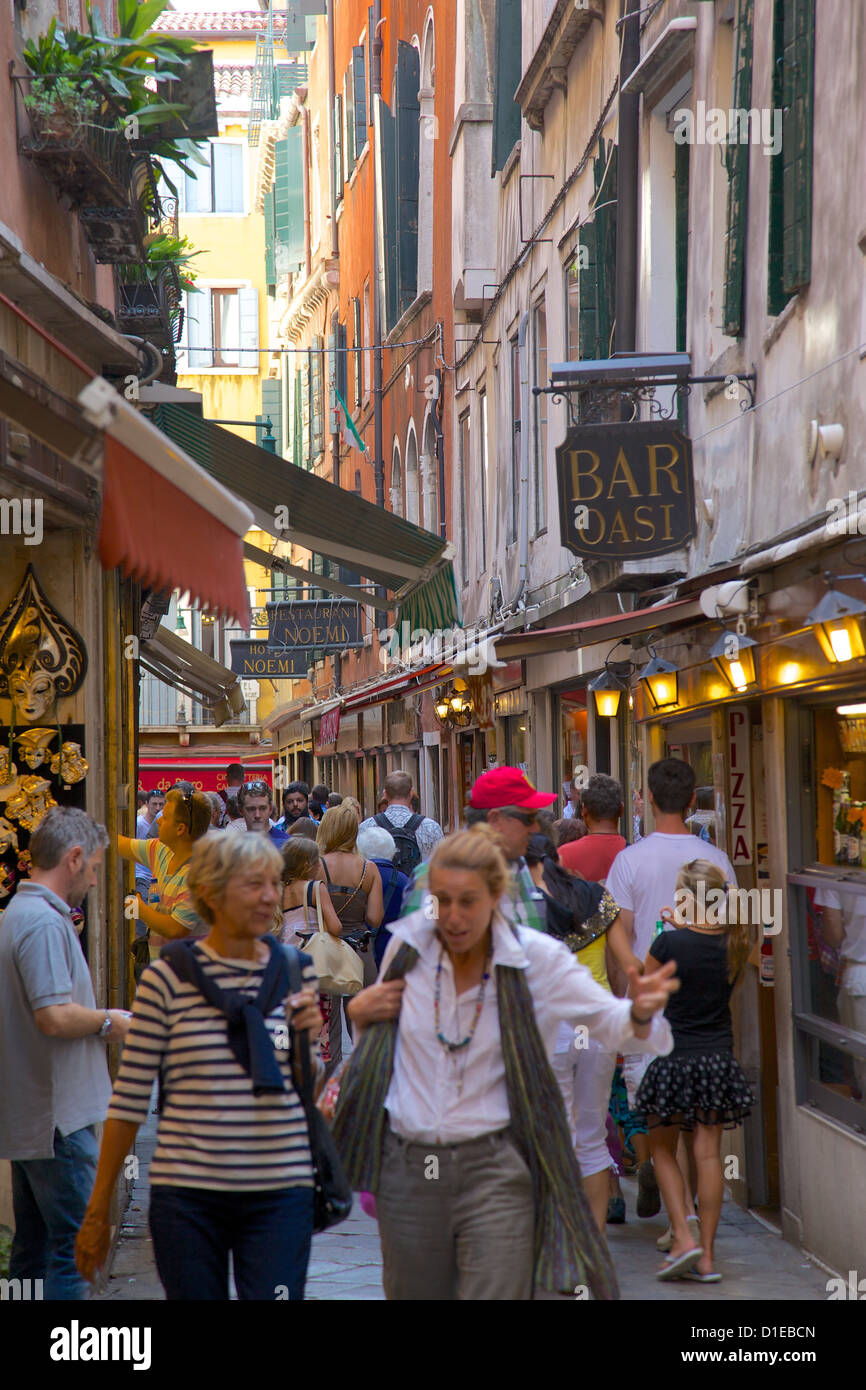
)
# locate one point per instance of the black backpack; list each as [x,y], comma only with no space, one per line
[408,854]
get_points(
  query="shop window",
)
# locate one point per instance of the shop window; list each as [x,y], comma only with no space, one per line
[515,741]
[573,736]
[691,740]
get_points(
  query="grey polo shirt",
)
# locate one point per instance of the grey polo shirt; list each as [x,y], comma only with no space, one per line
[45,1083]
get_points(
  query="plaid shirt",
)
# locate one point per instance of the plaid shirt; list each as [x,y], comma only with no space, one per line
[526,900]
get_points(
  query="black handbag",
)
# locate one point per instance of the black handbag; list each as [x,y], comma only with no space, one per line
[332,1200]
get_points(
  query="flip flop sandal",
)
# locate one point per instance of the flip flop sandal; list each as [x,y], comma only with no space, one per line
[713,1278]
[675,1269]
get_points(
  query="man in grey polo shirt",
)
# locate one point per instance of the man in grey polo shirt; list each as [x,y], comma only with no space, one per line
[54,1083]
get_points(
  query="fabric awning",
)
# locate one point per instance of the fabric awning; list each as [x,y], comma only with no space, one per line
[409,683]
[323,518]
[193,673]
[165,521]
[536,641]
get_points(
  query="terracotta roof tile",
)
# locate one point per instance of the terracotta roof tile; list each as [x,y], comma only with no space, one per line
[233,81]
[217,21]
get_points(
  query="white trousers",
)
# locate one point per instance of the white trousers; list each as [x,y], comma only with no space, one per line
[584,1076]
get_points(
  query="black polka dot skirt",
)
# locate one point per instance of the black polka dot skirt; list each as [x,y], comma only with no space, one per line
[690,1088]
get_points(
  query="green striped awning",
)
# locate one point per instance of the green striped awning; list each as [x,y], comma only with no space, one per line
[323,518]
[433,605]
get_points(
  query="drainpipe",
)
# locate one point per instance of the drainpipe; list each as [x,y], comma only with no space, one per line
[436,417]
[625,336]
[378,448]
[523,495]
[332,88]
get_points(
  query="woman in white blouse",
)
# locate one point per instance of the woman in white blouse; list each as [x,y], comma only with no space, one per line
[478,1191]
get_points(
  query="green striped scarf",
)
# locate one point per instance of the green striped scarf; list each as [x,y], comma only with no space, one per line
[569,1251]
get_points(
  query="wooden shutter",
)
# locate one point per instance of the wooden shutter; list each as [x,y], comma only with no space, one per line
[387,196]
[196,192]
[506,77]
[289,250]
[228,178]
[798,78]
[359,356]
[407,115]
[587,315]
[318,401]
[359,96]
[348,123]
[298,419]
[737,161]
[338,147]
[342,369]
[272,405]
[604,175]
[681,239]
[270,237]
[776,296]
[248,316]
[199,328]
[307,412]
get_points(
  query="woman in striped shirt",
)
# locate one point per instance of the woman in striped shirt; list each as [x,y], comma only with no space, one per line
[232,1169]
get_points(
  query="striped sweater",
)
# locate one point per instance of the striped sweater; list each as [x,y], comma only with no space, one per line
[213,1132]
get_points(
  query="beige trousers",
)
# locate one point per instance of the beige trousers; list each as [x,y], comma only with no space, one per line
[456,1220]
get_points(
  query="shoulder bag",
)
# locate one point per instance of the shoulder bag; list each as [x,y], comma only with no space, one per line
[332,1195]
[339,968]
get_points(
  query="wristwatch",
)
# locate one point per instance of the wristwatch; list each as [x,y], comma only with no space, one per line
[105,1027]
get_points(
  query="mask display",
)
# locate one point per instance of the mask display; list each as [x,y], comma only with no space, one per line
[42,658]
[8,836]
[33,746]
[30,802]
[8,770]
[69,764]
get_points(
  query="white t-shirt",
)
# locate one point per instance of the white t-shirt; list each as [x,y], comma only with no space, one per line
[853,909]
[643,878]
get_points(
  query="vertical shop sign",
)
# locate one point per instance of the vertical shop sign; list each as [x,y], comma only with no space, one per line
[741,788]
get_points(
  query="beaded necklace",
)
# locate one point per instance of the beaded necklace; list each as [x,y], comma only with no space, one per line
[446,1043]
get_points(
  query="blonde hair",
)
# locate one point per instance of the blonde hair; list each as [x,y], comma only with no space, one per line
[197,816]
[217,858]
[355,805]
[695,881]
[300,857]
[476,850]
[338,830]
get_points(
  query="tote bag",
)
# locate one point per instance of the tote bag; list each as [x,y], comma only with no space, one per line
[339,968]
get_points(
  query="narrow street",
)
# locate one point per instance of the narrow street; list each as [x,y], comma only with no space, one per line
[346,1261]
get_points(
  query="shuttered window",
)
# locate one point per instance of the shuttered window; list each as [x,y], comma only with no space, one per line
[408,119]
[386,194]
[338,147]
[270,238]
[789,251]
[737,160]
[588,343]
[248,319]
[681,240]
[357,341]
[217,186]
[605,176]
[349,123]
[289,249]
[298,418]
[199,329]
[317,443]
[506,77]
[272,408]
[359,98]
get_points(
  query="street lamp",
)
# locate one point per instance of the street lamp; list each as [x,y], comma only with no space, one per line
[660,678]
[607,690]
[836,620]
[734,658]
[454,708]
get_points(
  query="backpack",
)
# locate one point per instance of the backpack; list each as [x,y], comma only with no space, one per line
[408,854]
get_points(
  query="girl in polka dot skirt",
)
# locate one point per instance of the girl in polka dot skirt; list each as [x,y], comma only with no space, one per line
[699,1086]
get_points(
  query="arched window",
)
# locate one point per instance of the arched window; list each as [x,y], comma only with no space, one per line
[430,476]
[413,507]
[426,146]
[396,481]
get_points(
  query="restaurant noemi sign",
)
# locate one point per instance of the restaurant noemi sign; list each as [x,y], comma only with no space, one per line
[315,623]
[625,490]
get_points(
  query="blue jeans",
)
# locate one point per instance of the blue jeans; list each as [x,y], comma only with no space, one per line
[268,1234]
[49,1197]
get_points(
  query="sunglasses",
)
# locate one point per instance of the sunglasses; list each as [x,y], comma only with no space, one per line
[257,788]
[526,818]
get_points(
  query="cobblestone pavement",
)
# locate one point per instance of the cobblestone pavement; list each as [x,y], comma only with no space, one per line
[346,1262]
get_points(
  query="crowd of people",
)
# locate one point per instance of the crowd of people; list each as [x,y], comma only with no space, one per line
[526,1007]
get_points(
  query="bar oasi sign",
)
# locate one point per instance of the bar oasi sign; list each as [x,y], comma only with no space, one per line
[255,659]
[625,490]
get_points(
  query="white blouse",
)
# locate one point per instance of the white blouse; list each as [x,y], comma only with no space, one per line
[440,1097]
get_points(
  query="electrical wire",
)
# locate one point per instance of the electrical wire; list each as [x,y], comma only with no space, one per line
[303,351]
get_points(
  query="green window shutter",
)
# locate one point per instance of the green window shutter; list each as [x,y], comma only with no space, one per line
[318,401]
[349,124]
[681,238]
[587,315]
[289,248]
[270,238]
[407,115]
[359,97]
[604,177]
[359,356]
[342,371]
[798,79]
[307,414]
[272,406]
[298,420]
[387,193]
[506,78]
[338,147]
[737,161]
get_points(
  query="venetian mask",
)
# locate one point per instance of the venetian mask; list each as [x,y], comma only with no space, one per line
[7,882]
[8,836]
[33,745]
[31,802]
[41,656]
[8,770]
[69,764]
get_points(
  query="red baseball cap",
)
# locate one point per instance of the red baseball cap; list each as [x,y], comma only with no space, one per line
[507,786]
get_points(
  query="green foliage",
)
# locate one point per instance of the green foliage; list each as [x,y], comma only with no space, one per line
[5,1251]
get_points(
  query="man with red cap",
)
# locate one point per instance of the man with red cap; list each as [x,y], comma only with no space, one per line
[505,799]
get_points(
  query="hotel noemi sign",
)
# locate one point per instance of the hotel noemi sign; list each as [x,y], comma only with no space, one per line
[625,490]
[256,659]
[321,623]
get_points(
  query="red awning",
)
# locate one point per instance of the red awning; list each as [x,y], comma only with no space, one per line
[535,641]
[165,521]
[409,682]
[207,774]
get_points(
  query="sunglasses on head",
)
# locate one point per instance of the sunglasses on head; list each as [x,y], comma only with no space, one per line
[526,818]
[257,788]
